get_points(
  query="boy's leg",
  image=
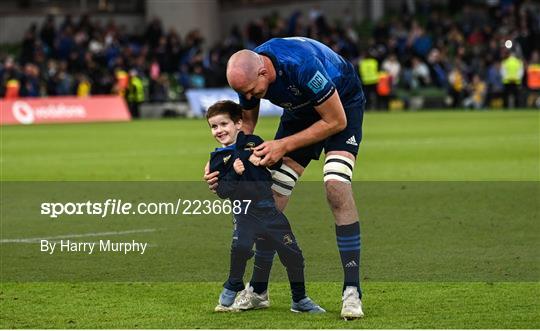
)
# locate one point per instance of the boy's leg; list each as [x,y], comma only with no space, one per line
[241,252]
[264,256]
[290,254]
[284,181]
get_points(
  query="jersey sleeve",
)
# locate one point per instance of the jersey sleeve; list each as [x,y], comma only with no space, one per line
[228,178]
[248,104]
[315,82]
[255,139]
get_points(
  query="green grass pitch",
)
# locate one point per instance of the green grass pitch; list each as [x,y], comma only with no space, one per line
[448,203]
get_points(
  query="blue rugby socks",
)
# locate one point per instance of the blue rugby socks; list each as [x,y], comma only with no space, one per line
[348,240]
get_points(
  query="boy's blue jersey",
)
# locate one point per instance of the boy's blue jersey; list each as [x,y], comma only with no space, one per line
[256,181]
[307,74]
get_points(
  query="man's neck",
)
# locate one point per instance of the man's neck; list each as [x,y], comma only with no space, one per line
[270,67]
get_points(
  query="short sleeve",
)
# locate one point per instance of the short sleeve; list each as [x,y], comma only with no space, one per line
[248,104]
[315,82]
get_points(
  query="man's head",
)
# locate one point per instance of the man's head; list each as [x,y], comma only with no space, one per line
[225,121]
[247,74]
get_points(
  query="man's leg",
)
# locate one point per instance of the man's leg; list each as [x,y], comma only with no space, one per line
[285,179]
[506,96]
[338,171]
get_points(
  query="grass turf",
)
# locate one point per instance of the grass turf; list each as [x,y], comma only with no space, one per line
[188,305]
[437,254]
[404,146]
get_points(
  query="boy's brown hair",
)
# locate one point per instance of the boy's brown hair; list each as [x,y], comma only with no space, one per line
[227,107]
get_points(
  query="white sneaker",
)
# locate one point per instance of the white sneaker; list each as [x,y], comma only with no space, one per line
[352,306]
[247,299]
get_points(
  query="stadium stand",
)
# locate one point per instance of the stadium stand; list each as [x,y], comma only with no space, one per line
[432,57]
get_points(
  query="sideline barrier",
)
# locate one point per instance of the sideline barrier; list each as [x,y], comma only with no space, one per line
[63,110]
[200,99]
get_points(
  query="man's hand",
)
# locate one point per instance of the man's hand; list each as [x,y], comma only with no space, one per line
[271,151]
[211,178]
[238,166]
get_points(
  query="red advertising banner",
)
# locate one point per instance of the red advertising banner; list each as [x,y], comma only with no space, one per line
[63,110]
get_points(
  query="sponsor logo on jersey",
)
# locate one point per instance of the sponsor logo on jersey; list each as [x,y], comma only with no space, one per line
[286,105]
[289,106]
[317,82]
[294,90]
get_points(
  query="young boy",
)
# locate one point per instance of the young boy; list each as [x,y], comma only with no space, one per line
[240,178]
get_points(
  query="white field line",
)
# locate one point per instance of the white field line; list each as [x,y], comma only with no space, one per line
[69,236]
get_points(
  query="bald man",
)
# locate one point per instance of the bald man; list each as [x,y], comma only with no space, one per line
[323,104]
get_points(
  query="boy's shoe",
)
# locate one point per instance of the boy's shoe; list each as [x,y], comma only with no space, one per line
[226,300]
[306,305]
[352,306]
[248,299]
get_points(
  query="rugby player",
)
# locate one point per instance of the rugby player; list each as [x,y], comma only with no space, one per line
[323,103]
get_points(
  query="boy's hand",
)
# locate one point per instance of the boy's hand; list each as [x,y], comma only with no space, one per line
[238,166]
[255,159]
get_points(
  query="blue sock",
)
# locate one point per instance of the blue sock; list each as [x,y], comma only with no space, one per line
[348,240]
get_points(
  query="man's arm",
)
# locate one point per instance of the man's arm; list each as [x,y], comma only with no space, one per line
[249,119]
[333,120]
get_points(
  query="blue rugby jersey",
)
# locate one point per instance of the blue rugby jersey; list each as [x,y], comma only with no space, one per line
[307,74]
[256,181]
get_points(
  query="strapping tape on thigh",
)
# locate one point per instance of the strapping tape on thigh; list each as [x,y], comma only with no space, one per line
[337,167]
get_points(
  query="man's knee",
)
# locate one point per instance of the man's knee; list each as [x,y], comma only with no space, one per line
[338,194]
[338,171]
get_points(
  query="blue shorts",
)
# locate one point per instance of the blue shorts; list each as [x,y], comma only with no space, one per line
[347,140]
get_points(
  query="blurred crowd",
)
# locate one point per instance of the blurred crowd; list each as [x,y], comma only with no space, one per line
[478,55]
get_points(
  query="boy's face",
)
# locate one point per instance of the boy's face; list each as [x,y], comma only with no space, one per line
[224,129]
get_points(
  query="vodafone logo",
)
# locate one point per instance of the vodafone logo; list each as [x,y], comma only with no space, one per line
[23,112]
[26,114]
